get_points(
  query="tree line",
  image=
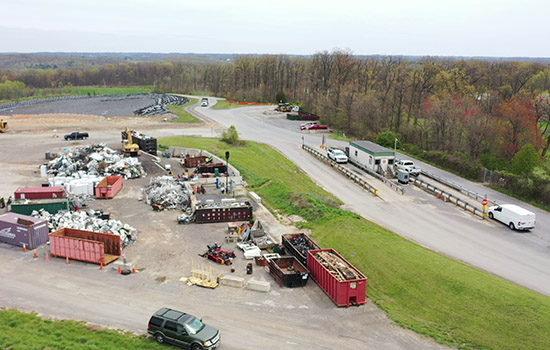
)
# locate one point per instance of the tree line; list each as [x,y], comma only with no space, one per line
[475,111]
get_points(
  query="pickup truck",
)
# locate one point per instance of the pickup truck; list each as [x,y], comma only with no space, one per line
[75,135]
[337,155]
[408,166]
[204,102]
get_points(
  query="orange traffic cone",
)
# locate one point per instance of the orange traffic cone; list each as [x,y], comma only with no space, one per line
[24,248]
[101,266]
[119,269]
[134,270]
[47,257]
[67,261]
[35,255]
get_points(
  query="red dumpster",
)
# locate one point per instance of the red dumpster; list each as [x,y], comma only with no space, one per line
[86,246]
[39,192]
[339,279]
[109,186]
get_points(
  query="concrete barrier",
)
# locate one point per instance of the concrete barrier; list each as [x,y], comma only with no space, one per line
[233,281]
[255,197]
[260,286]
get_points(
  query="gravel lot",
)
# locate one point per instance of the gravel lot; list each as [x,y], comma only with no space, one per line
[299,318]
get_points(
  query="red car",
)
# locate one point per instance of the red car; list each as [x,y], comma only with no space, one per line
[313,126]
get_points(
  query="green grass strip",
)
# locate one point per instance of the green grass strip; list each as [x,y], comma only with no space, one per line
[183,116]
[221,104]
[21,331]
[419,289]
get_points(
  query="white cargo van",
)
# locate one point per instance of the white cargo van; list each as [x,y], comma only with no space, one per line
[515,217]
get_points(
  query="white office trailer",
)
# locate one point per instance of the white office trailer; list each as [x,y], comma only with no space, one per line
[372,156]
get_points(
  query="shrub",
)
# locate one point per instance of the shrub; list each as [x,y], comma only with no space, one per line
[230,136]
[387,139]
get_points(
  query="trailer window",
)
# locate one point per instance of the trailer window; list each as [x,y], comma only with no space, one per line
[377,161]
[390,161]
[356,153]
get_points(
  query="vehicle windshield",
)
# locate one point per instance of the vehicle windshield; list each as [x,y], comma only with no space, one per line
[408,163]
[194,326]
[339,153]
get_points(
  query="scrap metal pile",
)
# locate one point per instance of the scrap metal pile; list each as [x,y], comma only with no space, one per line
[164,192]
[89,221]
[95,160]
[301,244]
[336,266]
[159,107]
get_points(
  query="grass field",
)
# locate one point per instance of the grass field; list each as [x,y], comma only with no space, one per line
[20,331]
[183,116]
[221,104]
[419,289]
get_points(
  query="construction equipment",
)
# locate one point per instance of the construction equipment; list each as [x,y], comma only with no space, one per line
[129,148]
[3,125]
[215,253]
[284,107]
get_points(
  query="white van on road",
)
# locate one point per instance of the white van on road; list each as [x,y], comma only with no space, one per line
[515,217]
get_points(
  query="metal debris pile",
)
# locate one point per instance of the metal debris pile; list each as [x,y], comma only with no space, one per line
[159,107]
[90,220]
[164,192]
[96,160]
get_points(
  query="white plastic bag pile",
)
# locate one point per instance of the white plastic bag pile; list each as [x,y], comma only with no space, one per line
[164,192]
[97,160]
[88,221]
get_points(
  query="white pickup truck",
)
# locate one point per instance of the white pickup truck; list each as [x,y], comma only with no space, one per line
[337,155]
[408,166]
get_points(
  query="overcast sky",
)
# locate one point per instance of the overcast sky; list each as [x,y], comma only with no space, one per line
[388,27]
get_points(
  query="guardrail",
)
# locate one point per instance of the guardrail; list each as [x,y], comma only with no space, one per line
[388,182]
[447,197]
[457,187]
[358,180]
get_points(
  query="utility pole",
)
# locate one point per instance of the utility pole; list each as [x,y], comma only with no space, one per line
[227,170]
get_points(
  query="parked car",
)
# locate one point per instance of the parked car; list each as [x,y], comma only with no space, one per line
[514,216]
[307,124]
[204,102]
[337,155]
[181,329]
[75,135]
[408,166]
[314,126]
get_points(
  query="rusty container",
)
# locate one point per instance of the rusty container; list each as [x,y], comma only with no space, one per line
[345,287]
[288,271]
[94,247]
[109,187]
[298,244]
[39,192]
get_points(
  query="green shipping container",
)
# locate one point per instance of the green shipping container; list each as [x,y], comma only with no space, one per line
[51,205]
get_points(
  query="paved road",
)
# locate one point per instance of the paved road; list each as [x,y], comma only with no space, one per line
[519,257]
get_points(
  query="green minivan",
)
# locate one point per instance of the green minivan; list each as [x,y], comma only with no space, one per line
[184,330]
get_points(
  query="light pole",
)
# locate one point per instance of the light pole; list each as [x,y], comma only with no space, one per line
[395,145]
[226,169]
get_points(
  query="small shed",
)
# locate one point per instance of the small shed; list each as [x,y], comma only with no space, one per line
[371,155]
